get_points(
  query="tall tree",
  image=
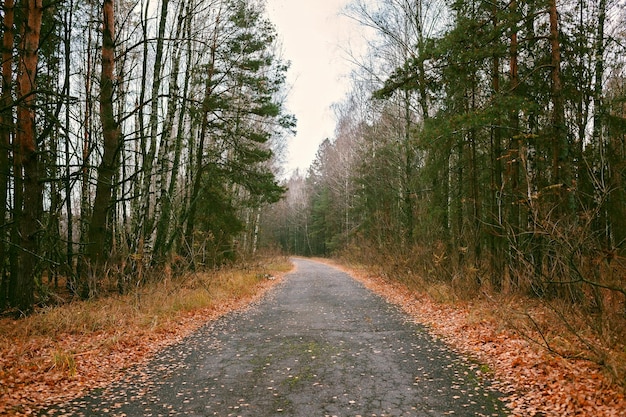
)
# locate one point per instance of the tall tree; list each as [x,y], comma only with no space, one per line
[111,145]
[560,143]
[28,204]
[239,111]
[168,163]
[6,130]
[146,211]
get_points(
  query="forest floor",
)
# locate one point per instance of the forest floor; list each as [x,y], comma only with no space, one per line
[59,353]
[535,381]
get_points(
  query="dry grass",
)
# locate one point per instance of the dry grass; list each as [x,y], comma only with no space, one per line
[161,301]
[58,352]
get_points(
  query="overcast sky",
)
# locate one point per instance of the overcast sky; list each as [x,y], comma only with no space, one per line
[314,35]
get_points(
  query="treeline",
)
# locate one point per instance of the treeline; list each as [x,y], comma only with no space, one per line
[134,135]
[483,145]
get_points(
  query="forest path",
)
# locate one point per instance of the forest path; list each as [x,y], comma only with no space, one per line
[319,344]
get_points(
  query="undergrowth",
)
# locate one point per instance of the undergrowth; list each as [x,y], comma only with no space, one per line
[147,307]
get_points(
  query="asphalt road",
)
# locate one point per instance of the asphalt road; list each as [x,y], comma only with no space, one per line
[319,345]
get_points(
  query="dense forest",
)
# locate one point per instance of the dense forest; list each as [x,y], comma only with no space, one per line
[135,136]
[476,177]
[483,146]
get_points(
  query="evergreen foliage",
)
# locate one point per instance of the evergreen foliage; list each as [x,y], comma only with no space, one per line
[491,144]
[155,139]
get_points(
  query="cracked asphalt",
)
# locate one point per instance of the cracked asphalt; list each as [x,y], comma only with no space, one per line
[319,344]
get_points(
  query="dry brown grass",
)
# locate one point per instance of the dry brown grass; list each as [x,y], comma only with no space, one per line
[59,352]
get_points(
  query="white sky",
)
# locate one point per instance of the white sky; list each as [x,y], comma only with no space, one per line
[314,35]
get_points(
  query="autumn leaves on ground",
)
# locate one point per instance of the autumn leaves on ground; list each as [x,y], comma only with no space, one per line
[61,352]
[510,337]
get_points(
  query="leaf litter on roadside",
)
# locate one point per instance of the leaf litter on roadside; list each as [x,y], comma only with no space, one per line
[535,382]
[42,371]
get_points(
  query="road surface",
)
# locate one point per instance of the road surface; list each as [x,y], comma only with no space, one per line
[319,344]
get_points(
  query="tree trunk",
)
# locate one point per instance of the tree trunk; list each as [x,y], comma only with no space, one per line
[27,159]
[255,236]
[421,44]
[560,145]
[104,187]
[199,166]
[497,233]
[166,166]
[599,141]
[409,217]
[6,129]
[137,205]
[86,172]
[178,147]
[148,162]
[474,186]
[68,182]
[514,151]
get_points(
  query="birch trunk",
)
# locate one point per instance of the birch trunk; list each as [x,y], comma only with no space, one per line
[180,133]
[85,195]
[166,169]
[148,162]
[68,183]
